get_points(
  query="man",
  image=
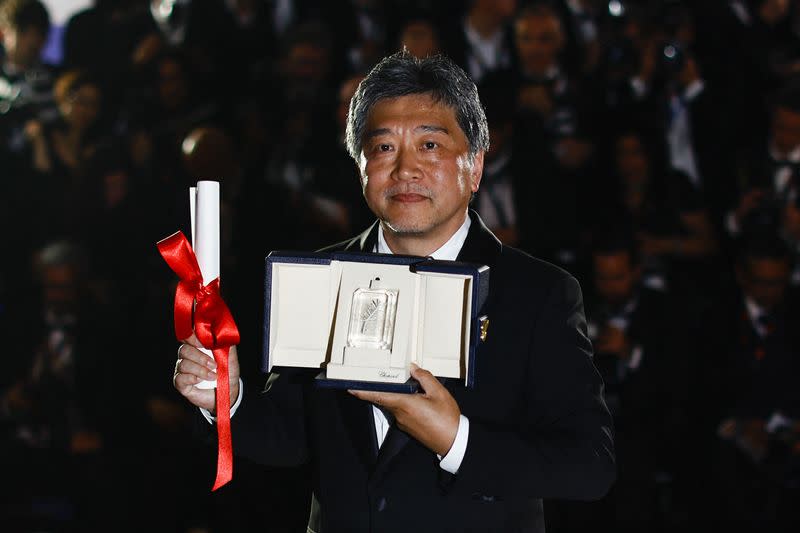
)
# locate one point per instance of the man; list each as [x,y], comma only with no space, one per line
[639,353]
[748,387]
[450,458]
[771,185]
[26,84]
[551,127]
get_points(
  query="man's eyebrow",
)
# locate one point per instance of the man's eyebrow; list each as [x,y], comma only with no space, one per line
[427,128]
[376,132]
[432,129]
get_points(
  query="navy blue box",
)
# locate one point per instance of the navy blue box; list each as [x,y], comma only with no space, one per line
[307,300]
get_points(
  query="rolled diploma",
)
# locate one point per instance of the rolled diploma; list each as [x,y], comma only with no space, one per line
[204,210]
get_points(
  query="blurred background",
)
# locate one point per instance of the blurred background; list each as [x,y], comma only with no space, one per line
[651,148]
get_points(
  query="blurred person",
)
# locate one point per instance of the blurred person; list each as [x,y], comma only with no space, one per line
[752,356]
[668,216]
[769,188]
[305,159]
[668,84]
[62,427]
[114,40]
[641,353]
[26,84]
[482,41]
[61,151]
[552,127]
[158,121]
[64,147]
[26,93]
[225,39]
[583,21]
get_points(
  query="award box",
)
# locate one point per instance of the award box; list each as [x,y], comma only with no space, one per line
[362,318]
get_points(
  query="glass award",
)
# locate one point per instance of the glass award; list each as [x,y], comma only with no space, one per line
[372,317]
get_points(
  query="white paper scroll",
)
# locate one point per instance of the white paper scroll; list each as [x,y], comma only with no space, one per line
[204,213]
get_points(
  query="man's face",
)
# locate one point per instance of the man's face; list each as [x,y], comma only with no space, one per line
[538,40]
[415,169]
[631,159]
[82,106]
[765,281]
[785,130]
[419,38]
[24,46]
[615,277]
[60,289]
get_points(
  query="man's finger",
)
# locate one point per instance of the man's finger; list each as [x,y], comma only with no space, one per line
[187,366]
[193,354]
[184,382]
[390,400]
[427,381]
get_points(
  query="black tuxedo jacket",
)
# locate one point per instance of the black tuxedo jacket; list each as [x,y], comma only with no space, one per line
[539,427]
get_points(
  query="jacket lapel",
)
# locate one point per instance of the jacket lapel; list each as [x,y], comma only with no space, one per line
[481,246]
[394,442]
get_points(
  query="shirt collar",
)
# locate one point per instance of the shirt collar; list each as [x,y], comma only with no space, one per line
[754,311]
[448,251]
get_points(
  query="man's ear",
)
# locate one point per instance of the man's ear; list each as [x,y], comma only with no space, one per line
[477,171]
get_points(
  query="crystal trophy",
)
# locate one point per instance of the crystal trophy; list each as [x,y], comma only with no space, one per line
[372,317]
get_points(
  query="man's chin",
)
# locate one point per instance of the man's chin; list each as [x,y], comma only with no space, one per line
[406,229]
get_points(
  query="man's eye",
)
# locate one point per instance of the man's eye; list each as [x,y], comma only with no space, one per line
[384,147]
[430,145]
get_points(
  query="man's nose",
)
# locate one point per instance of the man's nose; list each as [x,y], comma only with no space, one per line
[406,165]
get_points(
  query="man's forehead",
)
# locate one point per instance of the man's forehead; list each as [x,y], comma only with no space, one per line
[416,100]
[423,110]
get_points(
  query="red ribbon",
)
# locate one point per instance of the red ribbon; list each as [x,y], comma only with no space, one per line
[200,309]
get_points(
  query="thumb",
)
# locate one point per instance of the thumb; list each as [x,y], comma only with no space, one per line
[427,380]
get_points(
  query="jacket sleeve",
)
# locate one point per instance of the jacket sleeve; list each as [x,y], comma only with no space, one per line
[269,426]
[563,445]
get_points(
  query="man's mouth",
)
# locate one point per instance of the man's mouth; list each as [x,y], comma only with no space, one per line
[408,197]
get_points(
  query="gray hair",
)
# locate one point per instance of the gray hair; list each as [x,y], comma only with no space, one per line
[402,74]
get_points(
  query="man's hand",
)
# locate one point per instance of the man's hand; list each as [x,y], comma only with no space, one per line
[193,366]
[431,417]
[750,200]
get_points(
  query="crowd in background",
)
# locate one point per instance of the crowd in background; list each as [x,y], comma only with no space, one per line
[651,148]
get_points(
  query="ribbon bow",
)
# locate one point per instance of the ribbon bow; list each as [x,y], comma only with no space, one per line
[200,309]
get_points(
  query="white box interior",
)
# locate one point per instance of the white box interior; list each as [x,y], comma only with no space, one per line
[310,314]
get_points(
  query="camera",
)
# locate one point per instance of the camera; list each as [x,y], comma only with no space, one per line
[672,58]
